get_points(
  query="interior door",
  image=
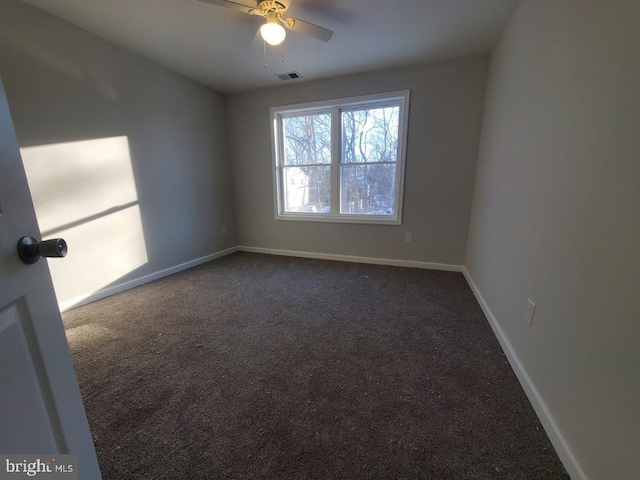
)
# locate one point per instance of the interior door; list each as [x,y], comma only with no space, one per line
[41,411]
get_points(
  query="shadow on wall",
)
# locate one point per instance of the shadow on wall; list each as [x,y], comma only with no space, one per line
[125,159]
[85,192]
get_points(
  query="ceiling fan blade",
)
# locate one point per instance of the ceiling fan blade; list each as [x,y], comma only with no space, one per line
[310,29]
[246,6]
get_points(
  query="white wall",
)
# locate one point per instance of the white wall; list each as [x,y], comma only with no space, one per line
[444,128]
[556,218]
[132,158]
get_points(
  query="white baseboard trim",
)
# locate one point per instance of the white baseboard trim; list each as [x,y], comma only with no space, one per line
[353,258]
[550,426]
[136,282]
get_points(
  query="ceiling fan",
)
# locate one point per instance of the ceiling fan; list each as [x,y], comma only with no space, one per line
[273,31]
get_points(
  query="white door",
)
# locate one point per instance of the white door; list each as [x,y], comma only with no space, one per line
[41,411]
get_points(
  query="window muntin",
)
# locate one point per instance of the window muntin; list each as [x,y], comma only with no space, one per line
[341,161]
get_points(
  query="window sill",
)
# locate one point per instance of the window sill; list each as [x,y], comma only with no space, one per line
[328,218]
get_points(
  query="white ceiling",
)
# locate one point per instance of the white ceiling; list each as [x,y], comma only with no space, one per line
[217,46]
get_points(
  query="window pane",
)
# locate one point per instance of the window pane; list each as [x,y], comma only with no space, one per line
[307,139]
[370,135]
[368,189]
[307,189]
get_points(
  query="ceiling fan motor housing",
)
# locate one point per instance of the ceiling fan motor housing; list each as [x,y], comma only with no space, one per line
[267,6]
[273,11]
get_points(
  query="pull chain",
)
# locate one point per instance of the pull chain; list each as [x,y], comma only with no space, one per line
[264,46]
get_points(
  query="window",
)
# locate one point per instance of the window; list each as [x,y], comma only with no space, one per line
[342,160]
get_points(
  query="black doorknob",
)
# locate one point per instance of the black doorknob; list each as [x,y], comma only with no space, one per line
[30,251]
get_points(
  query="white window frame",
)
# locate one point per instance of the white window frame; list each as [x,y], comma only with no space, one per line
[399,98]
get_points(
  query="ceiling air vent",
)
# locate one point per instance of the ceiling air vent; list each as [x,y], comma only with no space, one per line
[288,76]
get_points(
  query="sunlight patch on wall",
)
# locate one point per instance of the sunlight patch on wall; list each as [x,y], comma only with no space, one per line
[85,192]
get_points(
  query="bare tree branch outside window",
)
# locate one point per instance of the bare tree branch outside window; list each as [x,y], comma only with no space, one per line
[307,155]
[368,169]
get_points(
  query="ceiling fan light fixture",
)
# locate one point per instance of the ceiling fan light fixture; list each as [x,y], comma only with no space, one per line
[272,32]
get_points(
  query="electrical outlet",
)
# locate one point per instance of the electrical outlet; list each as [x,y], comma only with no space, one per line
[531,309]
[224,230]
[408,238]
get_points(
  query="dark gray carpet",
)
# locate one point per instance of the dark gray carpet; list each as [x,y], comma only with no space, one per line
[255,366]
